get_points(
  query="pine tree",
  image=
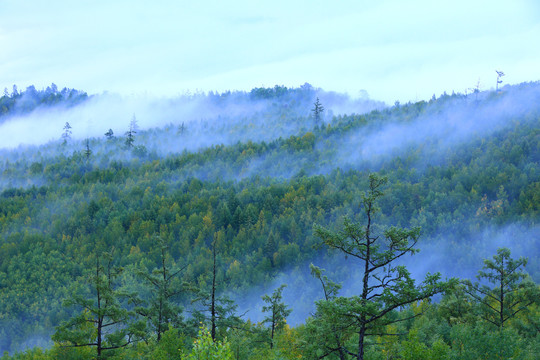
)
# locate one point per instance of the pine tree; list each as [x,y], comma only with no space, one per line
[87,151]
[109,134]
[513,291]
[385,286]
[330,339]
[219,311]
[130,134]
[317,111]
[66,135]
[278,312]
[161,310]
[102,323]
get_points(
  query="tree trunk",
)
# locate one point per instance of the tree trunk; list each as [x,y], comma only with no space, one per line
[213,305]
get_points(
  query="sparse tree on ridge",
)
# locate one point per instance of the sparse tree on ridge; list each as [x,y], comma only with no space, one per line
[385,286]
[66,135]
[317,111]
[87,150]
[181,128]
[109,134]
[500,74]
[130,134]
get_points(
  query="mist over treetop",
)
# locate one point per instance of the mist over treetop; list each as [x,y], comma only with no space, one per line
[248,187]
[262,107]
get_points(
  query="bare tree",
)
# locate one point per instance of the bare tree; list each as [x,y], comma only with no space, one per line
[500,74]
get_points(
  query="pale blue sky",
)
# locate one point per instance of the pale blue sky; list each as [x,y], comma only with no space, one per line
[395,50]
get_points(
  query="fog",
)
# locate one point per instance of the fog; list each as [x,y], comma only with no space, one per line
[208,120]
[194,122]
[443,254]
[458,121]
[211,118]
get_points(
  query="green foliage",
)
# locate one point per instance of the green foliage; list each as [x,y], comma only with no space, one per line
[103,323]
[23,102]
[385,285]
[204,348]
[261,198]
[512,292]
[278,312]
[165,284]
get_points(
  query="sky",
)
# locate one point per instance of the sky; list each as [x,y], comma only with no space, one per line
[394,50]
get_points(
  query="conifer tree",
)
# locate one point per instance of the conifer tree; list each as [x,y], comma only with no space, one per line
[87,150]
[317,111]
[103,322]
[512,292]
[218,310]
[385,286]
[109,134]
[161,310]
[130,134]
[66,135]
[278,312]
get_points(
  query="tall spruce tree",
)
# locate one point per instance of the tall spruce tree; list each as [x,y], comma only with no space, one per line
[87,150]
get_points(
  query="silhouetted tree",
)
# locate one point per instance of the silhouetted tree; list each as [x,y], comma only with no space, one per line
[317,111]
[109,134]
[66,135]
[500,74]
[130,134]
[87,151]
[181,128]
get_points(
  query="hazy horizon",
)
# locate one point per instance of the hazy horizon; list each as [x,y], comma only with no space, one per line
[393,50]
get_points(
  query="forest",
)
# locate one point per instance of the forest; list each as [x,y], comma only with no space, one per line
[279,223]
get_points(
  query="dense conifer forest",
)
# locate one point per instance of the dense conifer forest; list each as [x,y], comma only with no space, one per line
[280,223]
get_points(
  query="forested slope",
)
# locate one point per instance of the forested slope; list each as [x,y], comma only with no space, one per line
[462,168]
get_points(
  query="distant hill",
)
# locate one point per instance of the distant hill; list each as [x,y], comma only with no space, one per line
[25,101]
[464,168]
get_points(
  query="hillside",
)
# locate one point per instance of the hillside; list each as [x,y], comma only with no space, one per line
[247,175]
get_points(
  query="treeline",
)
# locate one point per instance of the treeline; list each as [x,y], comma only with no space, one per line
[18,102]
